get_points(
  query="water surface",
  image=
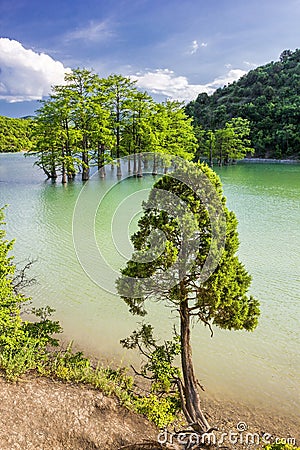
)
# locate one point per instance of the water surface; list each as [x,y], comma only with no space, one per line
[260,367]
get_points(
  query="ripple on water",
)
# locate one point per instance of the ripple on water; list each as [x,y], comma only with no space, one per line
[259,367]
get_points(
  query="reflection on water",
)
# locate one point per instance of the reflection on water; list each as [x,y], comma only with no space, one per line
[262,366]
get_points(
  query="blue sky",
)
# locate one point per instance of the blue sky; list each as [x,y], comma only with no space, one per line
[172,48]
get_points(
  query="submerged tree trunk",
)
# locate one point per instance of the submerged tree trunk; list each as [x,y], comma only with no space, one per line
[50,175]
[145,162]
[189,392]
[154,170]
[129,166]
[100,161]
[85,161]
[221,156]
[139,171]
[119,171]
[49,168]
[63,175]
[134,163]
[63,167]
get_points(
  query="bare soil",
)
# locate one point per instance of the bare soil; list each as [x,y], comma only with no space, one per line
[42,414]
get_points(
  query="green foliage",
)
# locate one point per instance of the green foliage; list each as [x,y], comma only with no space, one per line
[172,130]
[280,446]
[23,356]
[90,120]
[15,134]
[161,411]
[22,344]
[162,405]
[74,366]
[225,144]
[268,97]
[44,329]
[173,275]
[158,366]
[10,303]
[29,346]
[222,298]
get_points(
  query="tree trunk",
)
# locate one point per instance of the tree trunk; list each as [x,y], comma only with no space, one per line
[139,172]
[129,166]
[145,162]
[63,167]
[99,157]
[85,161]
[154,170]
[119,171]
[221,156]
[52,174]
[101,167]
[191,400]
[85,166]
[63,174]
[134,163]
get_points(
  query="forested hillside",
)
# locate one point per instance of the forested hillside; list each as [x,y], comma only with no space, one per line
[14,134]
[269,97]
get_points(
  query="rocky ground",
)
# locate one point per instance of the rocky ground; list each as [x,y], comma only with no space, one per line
[42,414]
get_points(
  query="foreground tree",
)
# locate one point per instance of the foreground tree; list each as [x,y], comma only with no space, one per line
[187,259]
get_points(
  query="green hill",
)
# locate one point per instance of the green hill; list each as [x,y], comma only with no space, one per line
[268,96]
[14,134]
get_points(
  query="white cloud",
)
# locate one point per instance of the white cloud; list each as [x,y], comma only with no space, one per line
[195,47]
[229,77]
[164,82]
[93,32]
[249,64]
[25,74]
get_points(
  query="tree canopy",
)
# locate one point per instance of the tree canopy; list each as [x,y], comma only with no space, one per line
[226,144]
[92,120]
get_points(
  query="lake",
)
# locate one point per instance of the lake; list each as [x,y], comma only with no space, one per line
[262,367]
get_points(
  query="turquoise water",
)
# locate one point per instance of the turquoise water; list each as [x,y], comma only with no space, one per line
[260,367]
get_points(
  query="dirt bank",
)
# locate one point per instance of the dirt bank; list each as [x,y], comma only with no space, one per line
[41,414]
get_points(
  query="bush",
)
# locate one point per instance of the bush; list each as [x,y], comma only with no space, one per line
[162,411]
[281,446]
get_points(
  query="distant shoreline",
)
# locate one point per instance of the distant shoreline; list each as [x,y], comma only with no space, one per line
[269,161]
[239,161]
